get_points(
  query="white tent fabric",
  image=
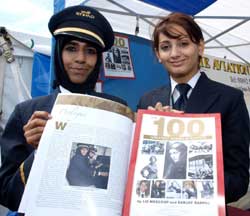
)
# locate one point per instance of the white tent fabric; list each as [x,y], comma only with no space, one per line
[35,42]
[125,15]
[16,76]
[228,22]
[225,23]
[15,79]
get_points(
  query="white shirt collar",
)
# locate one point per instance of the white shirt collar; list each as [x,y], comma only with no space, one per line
[63,90]
[192,82]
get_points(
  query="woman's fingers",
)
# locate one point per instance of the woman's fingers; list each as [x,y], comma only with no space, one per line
[34,128]
[160,107]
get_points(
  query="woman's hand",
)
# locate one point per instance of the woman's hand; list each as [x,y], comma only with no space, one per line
[34,128]
[160,107]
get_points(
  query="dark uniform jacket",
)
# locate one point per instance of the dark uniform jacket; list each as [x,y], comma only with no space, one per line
[17,155]
[79,172]
[209,96]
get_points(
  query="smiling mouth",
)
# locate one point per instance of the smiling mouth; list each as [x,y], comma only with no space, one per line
[177,63]
[79,70]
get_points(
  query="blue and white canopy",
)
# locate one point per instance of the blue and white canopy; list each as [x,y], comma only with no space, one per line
[225,23]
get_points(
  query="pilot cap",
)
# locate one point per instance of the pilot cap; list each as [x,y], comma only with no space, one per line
[85,23]
[82,145]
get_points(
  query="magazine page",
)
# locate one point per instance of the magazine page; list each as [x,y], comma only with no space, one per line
[80,167]
[176,166]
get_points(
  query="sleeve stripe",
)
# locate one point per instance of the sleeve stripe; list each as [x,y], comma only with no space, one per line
[21,168]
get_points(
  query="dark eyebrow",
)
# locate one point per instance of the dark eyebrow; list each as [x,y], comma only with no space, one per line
[164,41]
[75,43]
[71,43]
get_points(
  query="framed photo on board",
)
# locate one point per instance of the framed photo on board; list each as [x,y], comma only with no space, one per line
[117,61]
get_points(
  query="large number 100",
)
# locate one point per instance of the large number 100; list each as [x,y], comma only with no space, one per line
[176,127]
[119,42]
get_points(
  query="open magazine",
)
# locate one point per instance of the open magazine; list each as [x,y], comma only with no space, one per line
[82,164]
[80,167]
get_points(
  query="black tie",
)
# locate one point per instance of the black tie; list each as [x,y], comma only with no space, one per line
[181,102]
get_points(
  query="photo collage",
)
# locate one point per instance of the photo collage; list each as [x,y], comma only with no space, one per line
[175,170]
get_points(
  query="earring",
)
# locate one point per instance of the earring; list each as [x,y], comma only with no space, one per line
[159,60]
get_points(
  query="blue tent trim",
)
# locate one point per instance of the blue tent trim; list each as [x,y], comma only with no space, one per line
[40,75]
[190,7]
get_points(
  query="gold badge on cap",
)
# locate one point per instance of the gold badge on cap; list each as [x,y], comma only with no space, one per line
[85,14]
